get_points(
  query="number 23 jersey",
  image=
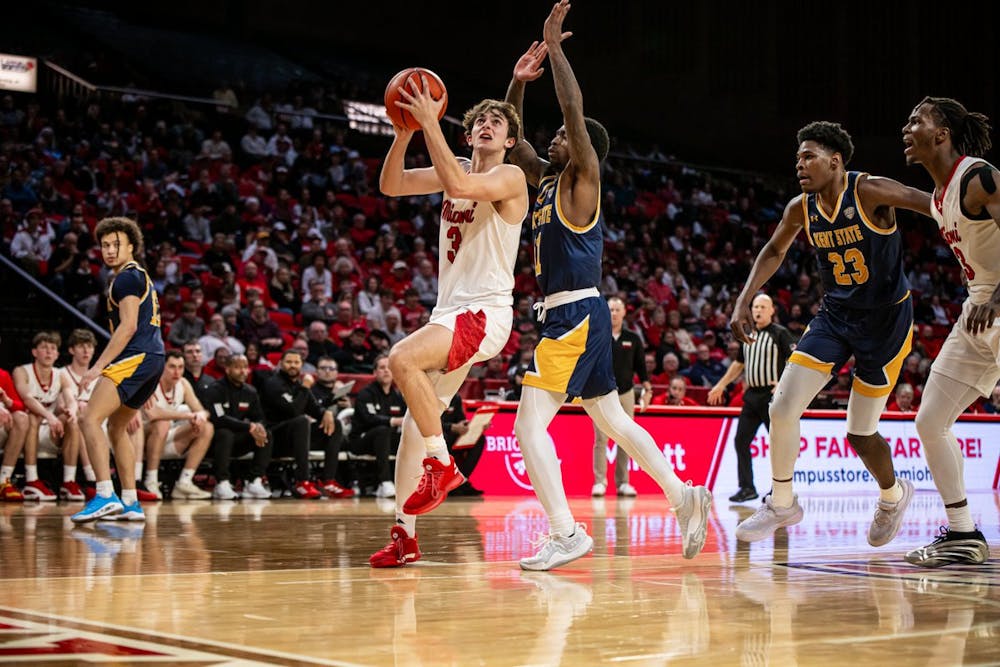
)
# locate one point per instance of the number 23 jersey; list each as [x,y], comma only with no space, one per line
[861,264]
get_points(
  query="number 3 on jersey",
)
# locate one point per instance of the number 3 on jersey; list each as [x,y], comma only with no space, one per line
[859,272]
[455,234]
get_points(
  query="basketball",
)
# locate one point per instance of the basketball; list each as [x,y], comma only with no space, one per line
[402,117]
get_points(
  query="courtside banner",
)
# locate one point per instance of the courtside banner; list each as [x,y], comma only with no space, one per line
[698,443]
[18,73]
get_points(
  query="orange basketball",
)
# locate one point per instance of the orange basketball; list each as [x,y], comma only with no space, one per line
[402,117]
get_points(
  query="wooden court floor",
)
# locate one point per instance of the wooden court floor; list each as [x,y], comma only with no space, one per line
[287,582]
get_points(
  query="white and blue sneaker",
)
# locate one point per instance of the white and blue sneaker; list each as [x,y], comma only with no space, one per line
[98,507]
[131,512]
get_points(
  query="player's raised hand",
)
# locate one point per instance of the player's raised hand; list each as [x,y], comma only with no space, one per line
[529,66]
[552,32]
[419,102]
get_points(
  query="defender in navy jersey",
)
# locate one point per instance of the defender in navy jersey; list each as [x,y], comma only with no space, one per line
[573,357]
[127,372]
[866,312]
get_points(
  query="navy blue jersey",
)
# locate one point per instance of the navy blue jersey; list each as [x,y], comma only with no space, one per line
[861,264]
[566,257]
[132,280]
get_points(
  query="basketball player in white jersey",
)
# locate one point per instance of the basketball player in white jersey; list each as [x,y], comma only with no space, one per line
[176,426]
[80,345]
[949,142]
[485,202]
[40,387]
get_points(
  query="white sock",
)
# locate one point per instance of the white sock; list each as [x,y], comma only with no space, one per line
[129,497]
[152,480]
[30,473]
[437,448]
[891,495]
[105,489]
[408,522]
[6,472]
[187,475]
[960,519]
[88,474]
[69,473]
[138,470]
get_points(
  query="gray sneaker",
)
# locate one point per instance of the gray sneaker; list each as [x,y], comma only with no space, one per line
[950,547]
[889,517]
[692,517]
[767,519]
[556,551]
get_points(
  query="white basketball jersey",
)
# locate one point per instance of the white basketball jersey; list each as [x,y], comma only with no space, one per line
[477,254]
[47,396]
[976,243]
[170,400]
[73,382]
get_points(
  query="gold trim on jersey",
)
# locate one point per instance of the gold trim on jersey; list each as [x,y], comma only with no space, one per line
[129,265]
[891,371]
[565,221]
[836,209]
[556,358]
[864,217]
[809,361]
[123,370]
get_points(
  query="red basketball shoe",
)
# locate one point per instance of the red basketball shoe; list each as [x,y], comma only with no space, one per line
[38,490]
[306,491]
[9,493]
[401,550]
[334,490]
[438,479]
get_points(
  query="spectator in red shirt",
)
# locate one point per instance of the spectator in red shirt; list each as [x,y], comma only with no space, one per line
[252,277]
[675,395]
[399,279]
[902,399]
[359,232]
[411,310]
[345,323]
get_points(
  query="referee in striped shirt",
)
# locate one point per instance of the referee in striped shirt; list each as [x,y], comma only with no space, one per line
[763,362]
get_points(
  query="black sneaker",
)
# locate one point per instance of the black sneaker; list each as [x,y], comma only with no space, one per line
[743,495]
[950,547]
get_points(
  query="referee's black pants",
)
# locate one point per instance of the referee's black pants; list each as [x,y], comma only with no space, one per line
[756,402]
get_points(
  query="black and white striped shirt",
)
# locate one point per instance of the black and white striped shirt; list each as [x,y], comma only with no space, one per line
[764,360]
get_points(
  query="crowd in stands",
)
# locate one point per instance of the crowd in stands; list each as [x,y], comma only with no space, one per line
[265,232]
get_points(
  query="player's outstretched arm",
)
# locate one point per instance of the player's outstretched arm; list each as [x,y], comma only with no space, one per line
[770,258]
[878,191]
[584,171]
[528,68]
[395,181]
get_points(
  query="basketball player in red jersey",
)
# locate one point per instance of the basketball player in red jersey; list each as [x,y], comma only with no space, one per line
[949,142]
[485,202]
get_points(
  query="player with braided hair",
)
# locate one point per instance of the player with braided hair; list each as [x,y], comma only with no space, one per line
[950,142]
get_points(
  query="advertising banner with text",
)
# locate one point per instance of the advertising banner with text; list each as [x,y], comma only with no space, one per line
[698,443]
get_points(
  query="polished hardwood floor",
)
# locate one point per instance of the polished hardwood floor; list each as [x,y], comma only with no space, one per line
[287,582]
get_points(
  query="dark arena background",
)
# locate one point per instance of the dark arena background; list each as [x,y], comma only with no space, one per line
[246,140]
